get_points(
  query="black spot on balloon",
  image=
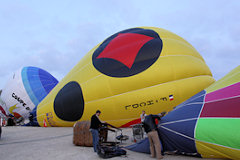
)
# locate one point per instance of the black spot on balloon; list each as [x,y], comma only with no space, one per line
[69,102]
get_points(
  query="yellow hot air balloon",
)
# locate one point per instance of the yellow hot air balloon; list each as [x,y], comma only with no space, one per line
[137,69]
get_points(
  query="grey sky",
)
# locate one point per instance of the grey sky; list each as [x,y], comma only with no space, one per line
[54,35]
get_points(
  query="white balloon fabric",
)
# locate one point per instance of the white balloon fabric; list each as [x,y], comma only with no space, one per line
[25,90]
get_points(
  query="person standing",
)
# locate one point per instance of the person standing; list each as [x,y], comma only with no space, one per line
[94,128]
[143,115]
[150,128]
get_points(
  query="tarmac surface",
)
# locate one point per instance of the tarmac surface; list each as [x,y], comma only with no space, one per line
[56,143]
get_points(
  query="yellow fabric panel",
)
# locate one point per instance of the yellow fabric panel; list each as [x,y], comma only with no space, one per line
[83,71]
[123,108]
[175,47]
[208,150]
[229,79]
[166,69]
[167,34]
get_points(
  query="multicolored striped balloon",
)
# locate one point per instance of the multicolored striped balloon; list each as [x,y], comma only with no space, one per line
[208,124]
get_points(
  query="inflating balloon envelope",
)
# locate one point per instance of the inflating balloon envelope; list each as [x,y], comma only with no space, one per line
[136,69]
[207,124]
[26,88]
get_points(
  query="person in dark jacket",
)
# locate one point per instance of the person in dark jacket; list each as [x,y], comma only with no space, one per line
[94,128]
[150,128]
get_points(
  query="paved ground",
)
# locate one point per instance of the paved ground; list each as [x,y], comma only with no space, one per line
[36,143]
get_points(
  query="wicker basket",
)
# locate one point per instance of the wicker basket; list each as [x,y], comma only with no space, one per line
[81,134]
